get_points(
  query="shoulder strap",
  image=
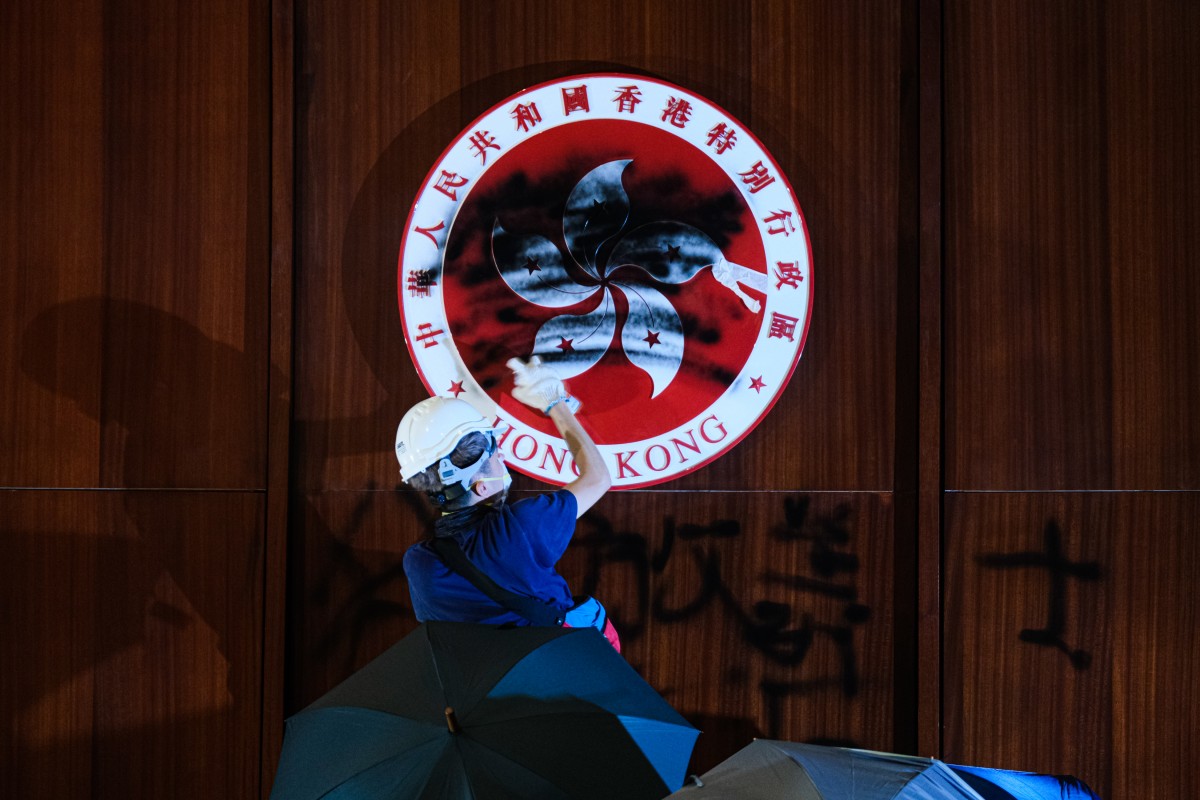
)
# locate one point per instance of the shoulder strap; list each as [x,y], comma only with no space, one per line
[530,608]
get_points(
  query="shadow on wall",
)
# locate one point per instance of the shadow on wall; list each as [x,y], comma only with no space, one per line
[162,597]
[177,409]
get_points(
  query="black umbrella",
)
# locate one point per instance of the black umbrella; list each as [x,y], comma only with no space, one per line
[470,711]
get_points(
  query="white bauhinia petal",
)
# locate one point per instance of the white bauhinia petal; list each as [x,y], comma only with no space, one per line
[533,267]
[596,211]
[652,335]
[671,252]
[573,343]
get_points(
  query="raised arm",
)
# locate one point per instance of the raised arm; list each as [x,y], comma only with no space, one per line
[539,387]
[594,478]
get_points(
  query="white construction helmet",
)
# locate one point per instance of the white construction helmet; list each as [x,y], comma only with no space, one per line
[431,429]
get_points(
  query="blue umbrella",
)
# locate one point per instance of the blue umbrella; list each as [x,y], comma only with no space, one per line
[767,769]
[470,711]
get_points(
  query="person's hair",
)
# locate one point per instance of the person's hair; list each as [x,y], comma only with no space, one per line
[466,452]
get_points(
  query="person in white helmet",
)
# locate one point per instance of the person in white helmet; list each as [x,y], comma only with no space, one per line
[490,561]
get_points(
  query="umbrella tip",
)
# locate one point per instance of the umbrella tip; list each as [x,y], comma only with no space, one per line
[452,720]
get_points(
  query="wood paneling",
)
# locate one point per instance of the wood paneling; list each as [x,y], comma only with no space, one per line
[1071,313]
[1072,635]
[1072,363]
[921,443]
[1153,174]
[138,245]
[754,614]
[51,239]
[823,96]
[155,236]
[132,659]
[279,417]
[1028,347]
[187,114]
[374,70]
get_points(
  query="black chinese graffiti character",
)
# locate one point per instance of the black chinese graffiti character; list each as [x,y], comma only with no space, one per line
[1060,568]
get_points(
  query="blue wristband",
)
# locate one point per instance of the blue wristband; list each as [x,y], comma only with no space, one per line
[571,402]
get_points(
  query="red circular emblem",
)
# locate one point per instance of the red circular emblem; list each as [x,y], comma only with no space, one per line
[638,239]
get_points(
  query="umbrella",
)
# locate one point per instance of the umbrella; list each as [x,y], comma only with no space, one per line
[771,769]
[456,710]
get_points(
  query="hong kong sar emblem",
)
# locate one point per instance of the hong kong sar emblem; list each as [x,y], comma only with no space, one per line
[637,238]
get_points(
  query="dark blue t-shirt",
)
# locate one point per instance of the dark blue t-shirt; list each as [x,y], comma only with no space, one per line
[517,546]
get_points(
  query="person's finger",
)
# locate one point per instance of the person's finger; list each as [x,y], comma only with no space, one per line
[519,368]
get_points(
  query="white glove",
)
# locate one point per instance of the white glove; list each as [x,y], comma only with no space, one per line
[537,385]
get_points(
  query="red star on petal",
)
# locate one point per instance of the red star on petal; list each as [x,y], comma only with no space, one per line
[651,337]
[456,388]
[757,384]
[565,345]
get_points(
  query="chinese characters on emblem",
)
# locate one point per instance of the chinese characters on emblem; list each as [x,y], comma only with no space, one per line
[575,99]
[782,326]
[757,178]
[677,112]
[421,282]
[787,273]
[721,137]
[430,231]
[627,99]
[428,335]
[448,182]
[784,220]
[481,142]
[526,115]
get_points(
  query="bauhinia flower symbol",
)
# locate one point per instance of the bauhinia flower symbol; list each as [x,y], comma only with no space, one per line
[666,252]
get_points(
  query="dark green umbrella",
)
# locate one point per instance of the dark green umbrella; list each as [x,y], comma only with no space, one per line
[470,711]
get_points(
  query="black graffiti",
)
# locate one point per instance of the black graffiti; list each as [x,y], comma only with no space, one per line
[1060,568]
[367,604]
[784,635]
[827,534]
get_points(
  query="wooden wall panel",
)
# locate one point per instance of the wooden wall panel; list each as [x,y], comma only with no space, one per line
[387,87]
[754,614]
[1028,295]
[1071,636]
[136,243]
[140,220]
[365,75]
[1153,173]
[1072,363]
[186,262]
[139,246]
[827,95]
[51,237]
[132,660]
[1072,344]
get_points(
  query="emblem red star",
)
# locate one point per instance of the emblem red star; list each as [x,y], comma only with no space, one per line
[757,384]
[532,265]
[651,338]
[456,388]
[565,345]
